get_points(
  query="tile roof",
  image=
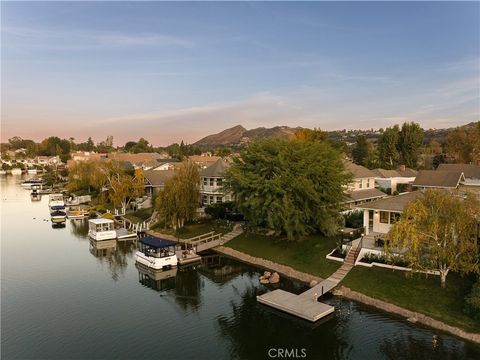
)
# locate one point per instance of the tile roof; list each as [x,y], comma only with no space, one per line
[470,171]
[358,171]
[392,203]
[158,178]
[438,178]
[216,169]
[364,195]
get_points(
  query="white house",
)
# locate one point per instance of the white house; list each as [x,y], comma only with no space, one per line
[389,179]
[211,184]
[362,188]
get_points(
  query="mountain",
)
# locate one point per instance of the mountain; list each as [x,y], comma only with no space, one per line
[238,135]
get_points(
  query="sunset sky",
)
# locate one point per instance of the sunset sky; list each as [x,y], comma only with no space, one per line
[173,71]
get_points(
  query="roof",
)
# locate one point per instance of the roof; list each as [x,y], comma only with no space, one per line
[156,242]
[383,173]
[470,171]
[203,159]
[134,158]
[158,178]
[438,178]
[395,203]
[365,194]
[100,221]
[358,171]
[216,169]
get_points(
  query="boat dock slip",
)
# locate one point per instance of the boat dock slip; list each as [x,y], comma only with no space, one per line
[304,307]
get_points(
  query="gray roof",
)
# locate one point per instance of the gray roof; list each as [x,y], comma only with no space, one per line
[365,195]
[383,173]
[392,203]
[470,171]
[216,169]
[157,177]
[438,179]
[358,171]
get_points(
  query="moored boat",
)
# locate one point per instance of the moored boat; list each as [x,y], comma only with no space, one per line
[101,229]
[58,216]
[29,183]
[55,201]
[16,171]
[156,253]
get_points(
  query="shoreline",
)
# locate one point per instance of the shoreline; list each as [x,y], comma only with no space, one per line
[345,292]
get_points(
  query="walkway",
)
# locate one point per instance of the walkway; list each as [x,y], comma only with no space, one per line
[306,305]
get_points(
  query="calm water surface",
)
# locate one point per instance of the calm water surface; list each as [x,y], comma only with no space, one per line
[64,297]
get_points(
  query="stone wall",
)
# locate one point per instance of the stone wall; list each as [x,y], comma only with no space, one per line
[410,315]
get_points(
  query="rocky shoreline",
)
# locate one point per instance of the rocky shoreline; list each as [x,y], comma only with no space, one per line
[347,293]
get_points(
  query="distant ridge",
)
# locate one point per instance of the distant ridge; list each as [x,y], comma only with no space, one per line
[238,135]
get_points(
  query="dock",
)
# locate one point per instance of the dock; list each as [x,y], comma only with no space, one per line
[306,305]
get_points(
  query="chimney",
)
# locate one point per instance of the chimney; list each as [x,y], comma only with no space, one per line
[401,168]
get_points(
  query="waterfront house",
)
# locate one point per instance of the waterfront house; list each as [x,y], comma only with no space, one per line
[155,180]
[390,179]
[362,188]
[211,181]
[438,179]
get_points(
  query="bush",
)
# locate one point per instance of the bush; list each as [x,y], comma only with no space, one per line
[354,219]
[219,210]
[383,259]
[472,301]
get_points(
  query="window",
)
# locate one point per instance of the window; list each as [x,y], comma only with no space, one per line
[368,183]
[204,200]
[211,199]
[219,182]
[360,184]
[219,199]
[384,217]
[205,181]
[394,217]
[211,181]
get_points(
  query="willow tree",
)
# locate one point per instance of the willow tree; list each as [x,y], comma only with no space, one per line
[439,231]
[85,175]
[293,187]
[179,199]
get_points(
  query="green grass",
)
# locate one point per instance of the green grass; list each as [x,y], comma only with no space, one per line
[139,216]
[199,228]
[416,293]
[307,256]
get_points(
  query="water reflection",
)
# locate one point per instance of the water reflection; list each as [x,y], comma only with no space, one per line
[79,228]
[115,254]
[58,225]
[158,280]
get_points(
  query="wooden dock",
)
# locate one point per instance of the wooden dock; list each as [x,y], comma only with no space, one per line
[306,305]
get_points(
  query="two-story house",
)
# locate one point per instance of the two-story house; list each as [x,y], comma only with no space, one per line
[211,184]
[362,188]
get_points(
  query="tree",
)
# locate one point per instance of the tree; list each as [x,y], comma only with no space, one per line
[439,231]
[360,151]
[85,175]
[293,187]
[411,140]
[122,188]
[311,135]
[388,145]
[178,201]
[464,143]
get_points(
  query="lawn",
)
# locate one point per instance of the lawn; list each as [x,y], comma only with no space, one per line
[139,216]
[307,256]
[198,228]
[416,293]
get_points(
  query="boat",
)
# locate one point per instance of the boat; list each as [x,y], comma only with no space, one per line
[77,212]
[32,171]
[16,171]
[156,253]
[55,201]
[101,229]
[124,234]
[29,183]
[58,216]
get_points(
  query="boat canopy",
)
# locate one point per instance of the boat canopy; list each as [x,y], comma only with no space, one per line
[156,242]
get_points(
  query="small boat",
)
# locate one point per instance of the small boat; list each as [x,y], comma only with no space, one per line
[55,201]
[157,253]
[58,216]
[16,171]
[77,212]
[101,229]
[32,182]
[124,234]
[32,171]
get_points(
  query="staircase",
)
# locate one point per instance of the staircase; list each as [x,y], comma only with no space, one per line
[348,263]
[237,230]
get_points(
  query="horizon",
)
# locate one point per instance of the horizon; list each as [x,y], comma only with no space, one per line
[181,71]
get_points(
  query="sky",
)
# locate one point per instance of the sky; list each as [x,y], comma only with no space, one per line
[180,71]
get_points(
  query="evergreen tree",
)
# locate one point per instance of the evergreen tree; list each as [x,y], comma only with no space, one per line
[360,151]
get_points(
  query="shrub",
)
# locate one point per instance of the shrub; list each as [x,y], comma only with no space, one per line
[354,219]
[219,210]
[472,301]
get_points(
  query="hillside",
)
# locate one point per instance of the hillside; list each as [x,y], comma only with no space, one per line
[238,135]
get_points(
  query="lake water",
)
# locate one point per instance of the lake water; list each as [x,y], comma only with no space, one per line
[64,297]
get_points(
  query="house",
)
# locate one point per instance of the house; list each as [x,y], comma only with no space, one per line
[471,173]
[168,165]
[145,161]
[438,179]
[155,180]
[48,160]
[211,181]
[203,161]
[362,188]
[389,179]
[380,215]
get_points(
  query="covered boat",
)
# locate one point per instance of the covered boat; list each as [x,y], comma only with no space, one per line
[101,229]
[157,253]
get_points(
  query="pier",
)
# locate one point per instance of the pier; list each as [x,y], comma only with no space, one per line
[306,305]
